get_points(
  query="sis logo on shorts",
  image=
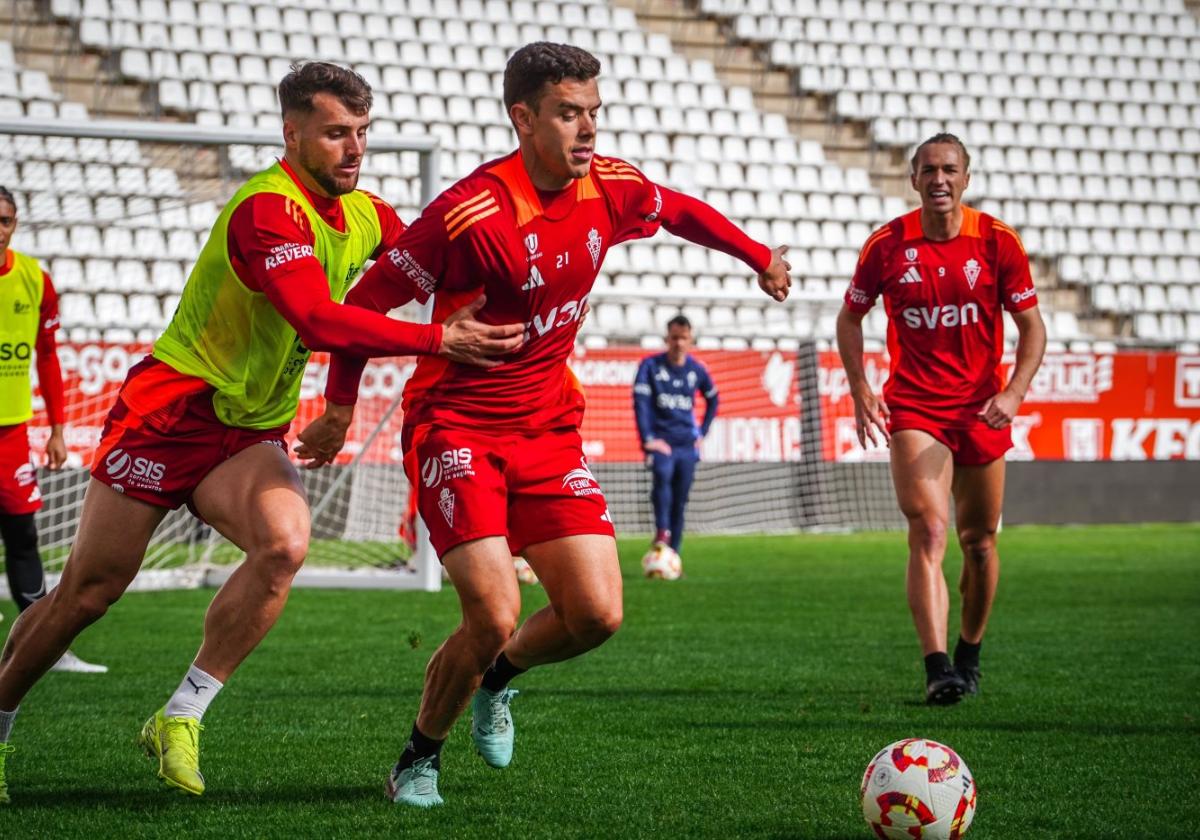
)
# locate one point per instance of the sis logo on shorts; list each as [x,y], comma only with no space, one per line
[451,464]
[137,472]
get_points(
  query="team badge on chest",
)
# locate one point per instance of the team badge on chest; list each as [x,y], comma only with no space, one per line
[971,271]
[594,241]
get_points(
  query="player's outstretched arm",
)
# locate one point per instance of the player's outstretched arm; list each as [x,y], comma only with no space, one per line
[1000,410]
[324,325]
[870,411]
[699,222]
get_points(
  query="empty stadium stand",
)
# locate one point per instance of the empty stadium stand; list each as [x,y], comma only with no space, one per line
[1084,124]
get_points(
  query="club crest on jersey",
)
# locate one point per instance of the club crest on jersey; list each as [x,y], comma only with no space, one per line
[531,243]
[446,505]
[971,270]
[593,245]
[910,254]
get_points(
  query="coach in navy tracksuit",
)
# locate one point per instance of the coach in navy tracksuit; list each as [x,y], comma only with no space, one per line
[663,398]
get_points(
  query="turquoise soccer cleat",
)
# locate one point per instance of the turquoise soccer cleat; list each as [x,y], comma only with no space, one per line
[416,784]
[492,725]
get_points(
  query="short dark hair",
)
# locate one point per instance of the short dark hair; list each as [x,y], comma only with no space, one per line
[943,137]
[308,78]
[679,320]
[533,66]
[5,195]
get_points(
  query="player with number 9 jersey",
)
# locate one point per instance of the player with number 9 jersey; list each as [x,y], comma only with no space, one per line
[947,274]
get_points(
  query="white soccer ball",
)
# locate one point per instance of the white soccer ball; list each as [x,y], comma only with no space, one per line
[918,789]
[663,563]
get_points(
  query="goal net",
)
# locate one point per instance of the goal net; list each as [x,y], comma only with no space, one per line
[781,454]
[117,213]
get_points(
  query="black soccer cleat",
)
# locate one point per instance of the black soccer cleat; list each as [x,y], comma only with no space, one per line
[970,676]
[946,689]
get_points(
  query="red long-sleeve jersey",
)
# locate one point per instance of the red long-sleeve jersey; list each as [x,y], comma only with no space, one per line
[536,256]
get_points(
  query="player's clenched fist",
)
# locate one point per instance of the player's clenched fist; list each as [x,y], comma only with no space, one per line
[473,342]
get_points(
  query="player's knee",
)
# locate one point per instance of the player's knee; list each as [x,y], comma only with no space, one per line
[85,604]
[280,558]
[927,534]
[978,544]
[596,625]
[490,633]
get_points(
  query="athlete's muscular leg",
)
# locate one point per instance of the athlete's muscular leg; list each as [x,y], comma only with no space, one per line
[978,498]
[482,573]
[114,531]
[256,501]
[921,471]
[582,578]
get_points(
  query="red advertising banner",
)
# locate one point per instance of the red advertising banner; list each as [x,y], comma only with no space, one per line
[1127,406]
[758,420]
[1081,406]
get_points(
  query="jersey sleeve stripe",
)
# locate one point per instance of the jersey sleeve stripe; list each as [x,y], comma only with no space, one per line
[603,177]
[1003,228]
[460,218]
[871,242]
[615,164]
[490,211]
[467,207]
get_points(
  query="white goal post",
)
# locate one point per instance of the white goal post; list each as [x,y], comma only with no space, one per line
[116,211]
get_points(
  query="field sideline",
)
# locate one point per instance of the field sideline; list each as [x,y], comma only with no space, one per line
[742,701]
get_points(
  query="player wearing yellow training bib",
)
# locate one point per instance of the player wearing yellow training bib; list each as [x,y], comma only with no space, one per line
[28,322]
[224,378]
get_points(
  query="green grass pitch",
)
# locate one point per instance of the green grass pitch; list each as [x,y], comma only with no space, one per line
[742,701]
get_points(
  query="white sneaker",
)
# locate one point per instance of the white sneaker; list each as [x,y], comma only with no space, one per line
[70,662]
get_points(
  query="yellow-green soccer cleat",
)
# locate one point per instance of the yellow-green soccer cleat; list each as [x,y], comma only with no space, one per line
[175,742]
[5,751]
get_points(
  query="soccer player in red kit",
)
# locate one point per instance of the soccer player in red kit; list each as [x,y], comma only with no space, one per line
[496,455]
[946,273]
[222,379]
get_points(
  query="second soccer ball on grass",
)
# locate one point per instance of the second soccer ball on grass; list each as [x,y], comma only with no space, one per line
[661,562]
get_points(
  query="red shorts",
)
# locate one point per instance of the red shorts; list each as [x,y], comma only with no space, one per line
[973,443]
[162,437]
[19,493]
[528,489]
